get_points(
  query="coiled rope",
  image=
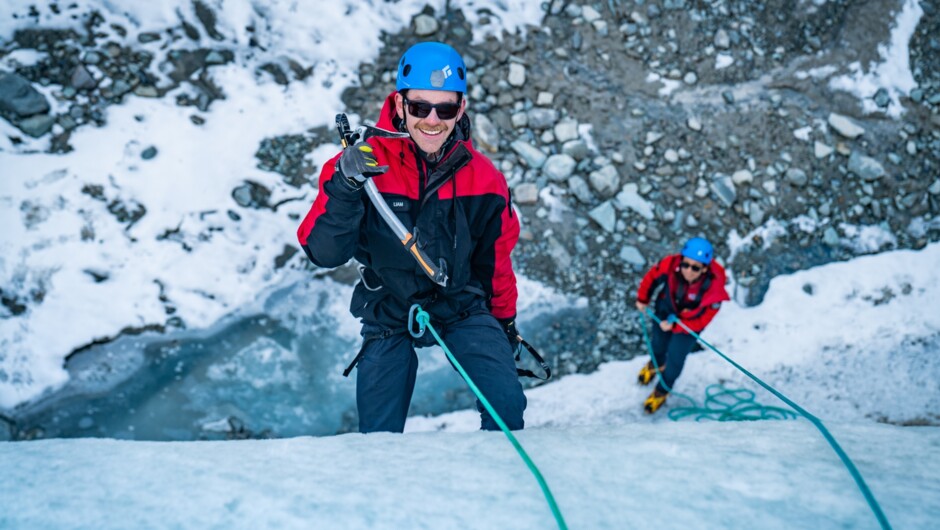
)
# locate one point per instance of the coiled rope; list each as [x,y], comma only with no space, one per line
[720,404]
[859,481]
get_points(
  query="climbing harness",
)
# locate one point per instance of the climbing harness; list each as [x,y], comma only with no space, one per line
[420,317]
[856,475]
[384,334]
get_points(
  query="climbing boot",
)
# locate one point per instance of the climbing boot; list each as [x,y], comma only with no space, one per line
[654,401]
[647,373]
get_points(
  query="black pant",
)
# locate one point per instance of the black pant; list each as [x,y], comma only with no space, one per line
[385,378]
[670,348]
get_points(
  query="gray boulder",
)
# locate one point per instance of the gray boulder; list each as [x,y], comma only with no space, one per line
[17,96]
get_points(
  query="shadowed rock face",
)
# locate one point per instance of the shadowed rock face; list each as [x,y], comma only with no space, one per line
[717,118]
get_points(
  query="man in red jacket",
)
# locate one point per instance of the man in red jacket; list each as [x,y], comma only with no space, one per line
[693,287]
[459,206]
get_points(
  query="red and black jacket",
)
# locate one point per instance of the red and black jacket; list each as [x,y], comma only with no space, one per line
[460,211]
[695,304]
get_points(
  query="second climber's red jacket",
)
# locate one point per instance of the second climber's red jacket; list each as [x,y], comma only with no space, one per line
[695,304]
[460,211]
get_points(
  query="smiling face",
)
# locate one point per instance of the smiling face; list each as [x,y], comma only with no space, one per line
[429,132]
[691,269]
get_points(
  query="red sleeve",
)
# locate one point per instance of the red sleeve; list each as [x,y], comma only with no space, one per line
[648,281]
[505,294]
[330,231]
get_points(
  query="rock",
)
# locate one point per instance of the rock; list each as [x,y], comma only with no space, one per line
[830,236]
[425,25]
[722,40]
[559,254]
[516,74]
[580,189]
[531,155]
[821,150]
[252,195]
[690,78]
[559,167]
[694,124]
[755,213]
[590,14]
[37,126]
[577,149]
[671,156]
[519,120]
[545,99]
[934,188]
[742,176]
[149,153]
[525,193]
[487,134]
[566,130]
[81,79]
[605,180]
[882,99]
[797,177]
[629,198]
[18,97]
[845,126]
[868,169]
[540,118]
[723,187]
[605,215]
[145,91]
[633,256]
[653,137]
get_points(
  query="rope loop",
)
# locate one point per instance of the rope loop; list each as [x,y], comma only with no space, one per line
[770,412]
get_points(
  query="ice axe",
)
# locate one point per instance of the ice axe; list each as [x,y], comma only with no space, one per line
[348,137]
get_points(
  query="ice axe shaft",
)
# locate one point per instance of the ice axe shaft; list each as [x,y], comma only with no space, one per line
[348,137]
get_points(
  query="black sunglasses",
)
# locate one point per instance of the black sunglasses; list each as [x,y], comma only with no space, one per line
[422,109]
[694,267]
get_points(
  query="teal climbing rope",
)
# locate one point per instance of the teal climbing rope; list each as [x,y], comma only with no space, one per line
[421,317]
[856,475]
[720,404]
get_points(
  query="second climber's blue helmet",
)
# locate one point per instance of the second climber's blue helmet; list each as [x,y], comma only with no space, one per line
[432,66]
[699,249]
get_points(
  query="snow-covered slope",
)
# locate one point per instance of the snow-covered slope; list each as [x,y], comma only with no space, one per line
[771,474]
[608,465]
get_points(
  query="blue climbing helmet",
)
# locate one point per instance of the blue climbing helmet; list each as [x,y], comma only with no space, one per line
[432,66]
[699,249]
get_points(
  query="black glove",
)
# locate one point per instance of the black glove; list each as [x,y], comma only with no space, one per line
[512,335]
[357,164]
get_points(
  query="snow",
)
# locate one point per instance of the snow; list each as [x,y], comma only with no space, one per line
[824,337]
[893,73]
[723,60]
[670,475]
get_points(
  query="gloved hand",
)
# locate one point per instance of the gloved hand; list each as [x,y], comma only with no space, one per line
[358,163]
[512,335]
